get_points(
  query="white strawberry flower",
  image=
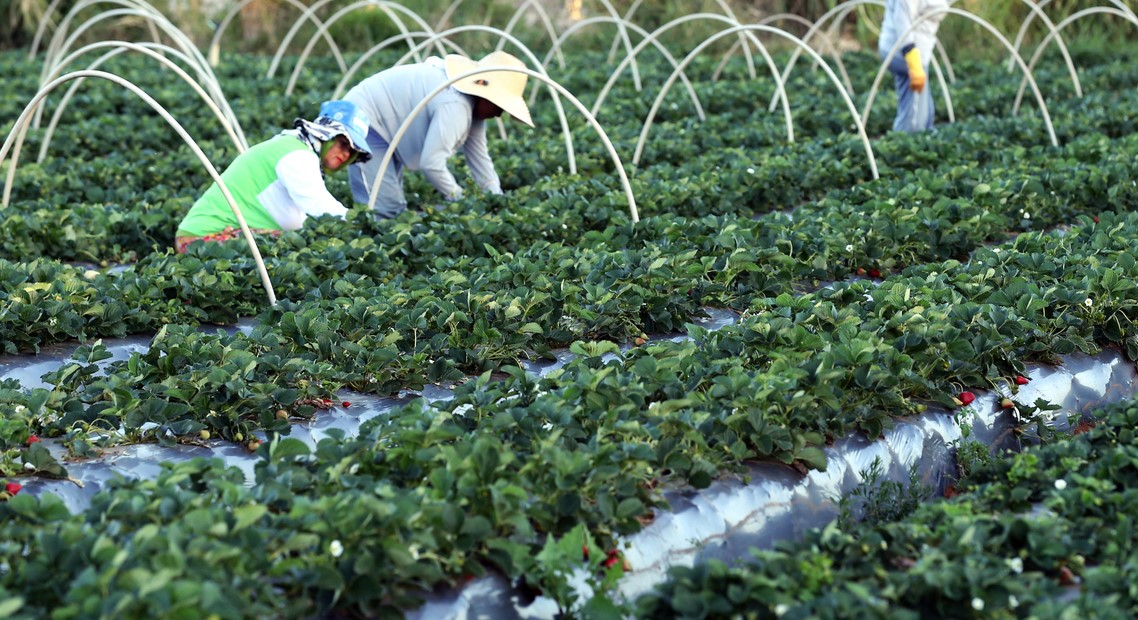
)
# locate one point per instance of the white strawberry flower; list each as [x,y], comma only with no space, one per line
[336,548]
[978,604]
[1060,484]
[1016,564]
[1088,302]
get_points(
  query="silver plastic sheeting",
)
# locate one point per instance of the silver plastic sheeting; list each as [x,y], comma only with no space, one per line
[722,521]
[728,518]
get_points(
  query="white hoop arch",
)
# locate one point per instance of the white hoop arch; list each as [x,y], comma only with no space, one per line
[771,19]
[388,9]
[204,76]
[53,63]
[569,153]
[51,58]
[45,20]
[1037,10]
[445,18]
[760,28]
[1031,17]
[118,47]
[1054,35]
[531,73]
[643,33]
[16,136]
[543,16]
[322,31]
[214,54]
[984,24]
[838,14]
[780,90]
[726,11]
[342,85]
[622,34]
[151,16]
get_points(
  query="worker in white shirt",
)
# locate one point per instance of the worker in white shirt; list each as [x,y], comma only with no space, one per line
[454,119]
[279,183]
[909,65]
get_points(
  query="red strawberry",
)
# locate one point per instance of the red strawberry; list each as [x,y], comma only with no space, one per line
[1095,218]
[346,404]
[860,271]
[585,551]
[1007,403]
[874,273]
[966,398]
[1066,577]
[1022,380]
[33,439]
[13,488]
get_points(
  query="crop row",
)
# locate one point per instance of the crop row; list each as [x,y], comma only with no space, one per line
[514,471]
[1044,533]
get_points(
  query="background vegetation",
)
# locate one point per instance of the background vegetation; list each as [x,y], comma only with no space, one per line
[262,23]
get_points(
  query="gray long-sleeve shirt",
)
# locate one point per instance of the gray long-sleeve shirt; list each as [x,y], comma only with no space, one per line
[438,132]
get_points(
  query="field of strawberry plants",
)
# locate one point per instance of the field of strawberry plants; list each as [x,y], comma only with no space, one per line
[513,385]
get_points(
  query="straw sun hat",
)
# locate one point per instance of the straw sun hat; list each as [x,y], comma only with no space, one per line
[502,88]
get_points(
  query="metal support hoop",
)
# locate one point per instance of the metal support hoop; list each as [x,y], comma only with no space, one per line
[989,28]
[119,48]
[839,13]
[726,11]
[534,74]
[205,76]
[780,90]
[543,16]
[1054,34]
[214,53]
[387,7]
[445,19]
[17,133]
[342,86]
[622,34]
[42,28]
[322,30]
[1031,16]
[152,17]
[766,22]
[141,8]
[569,153]
[640,31]
[782,33]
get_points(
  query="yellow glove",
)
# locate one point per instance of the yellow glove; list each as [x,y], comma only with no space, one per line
[917,75]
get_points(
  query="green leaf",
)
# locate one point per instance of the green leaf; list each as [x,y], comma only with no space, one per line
[629,508]
[287,447]
[247,515]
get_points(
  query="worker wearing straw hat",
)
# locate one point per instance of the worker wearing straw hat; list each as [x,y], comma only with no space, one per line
[454,119]
[914,99]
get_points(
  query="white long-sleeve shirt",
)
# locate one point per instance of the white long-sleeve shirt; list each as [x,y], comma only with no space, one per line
[447,124]
[277,185]
[900,15]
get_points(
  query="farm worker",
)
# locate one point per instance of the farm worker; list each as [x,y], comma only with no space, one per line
[455,118]
[278,183]
[909,64]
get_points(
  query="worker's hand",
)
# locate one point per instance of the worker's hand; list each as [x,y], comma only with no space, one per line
[917,77]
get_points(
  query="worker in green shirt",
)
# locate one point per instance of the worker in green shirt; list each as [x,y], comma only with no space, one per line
[278,183]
